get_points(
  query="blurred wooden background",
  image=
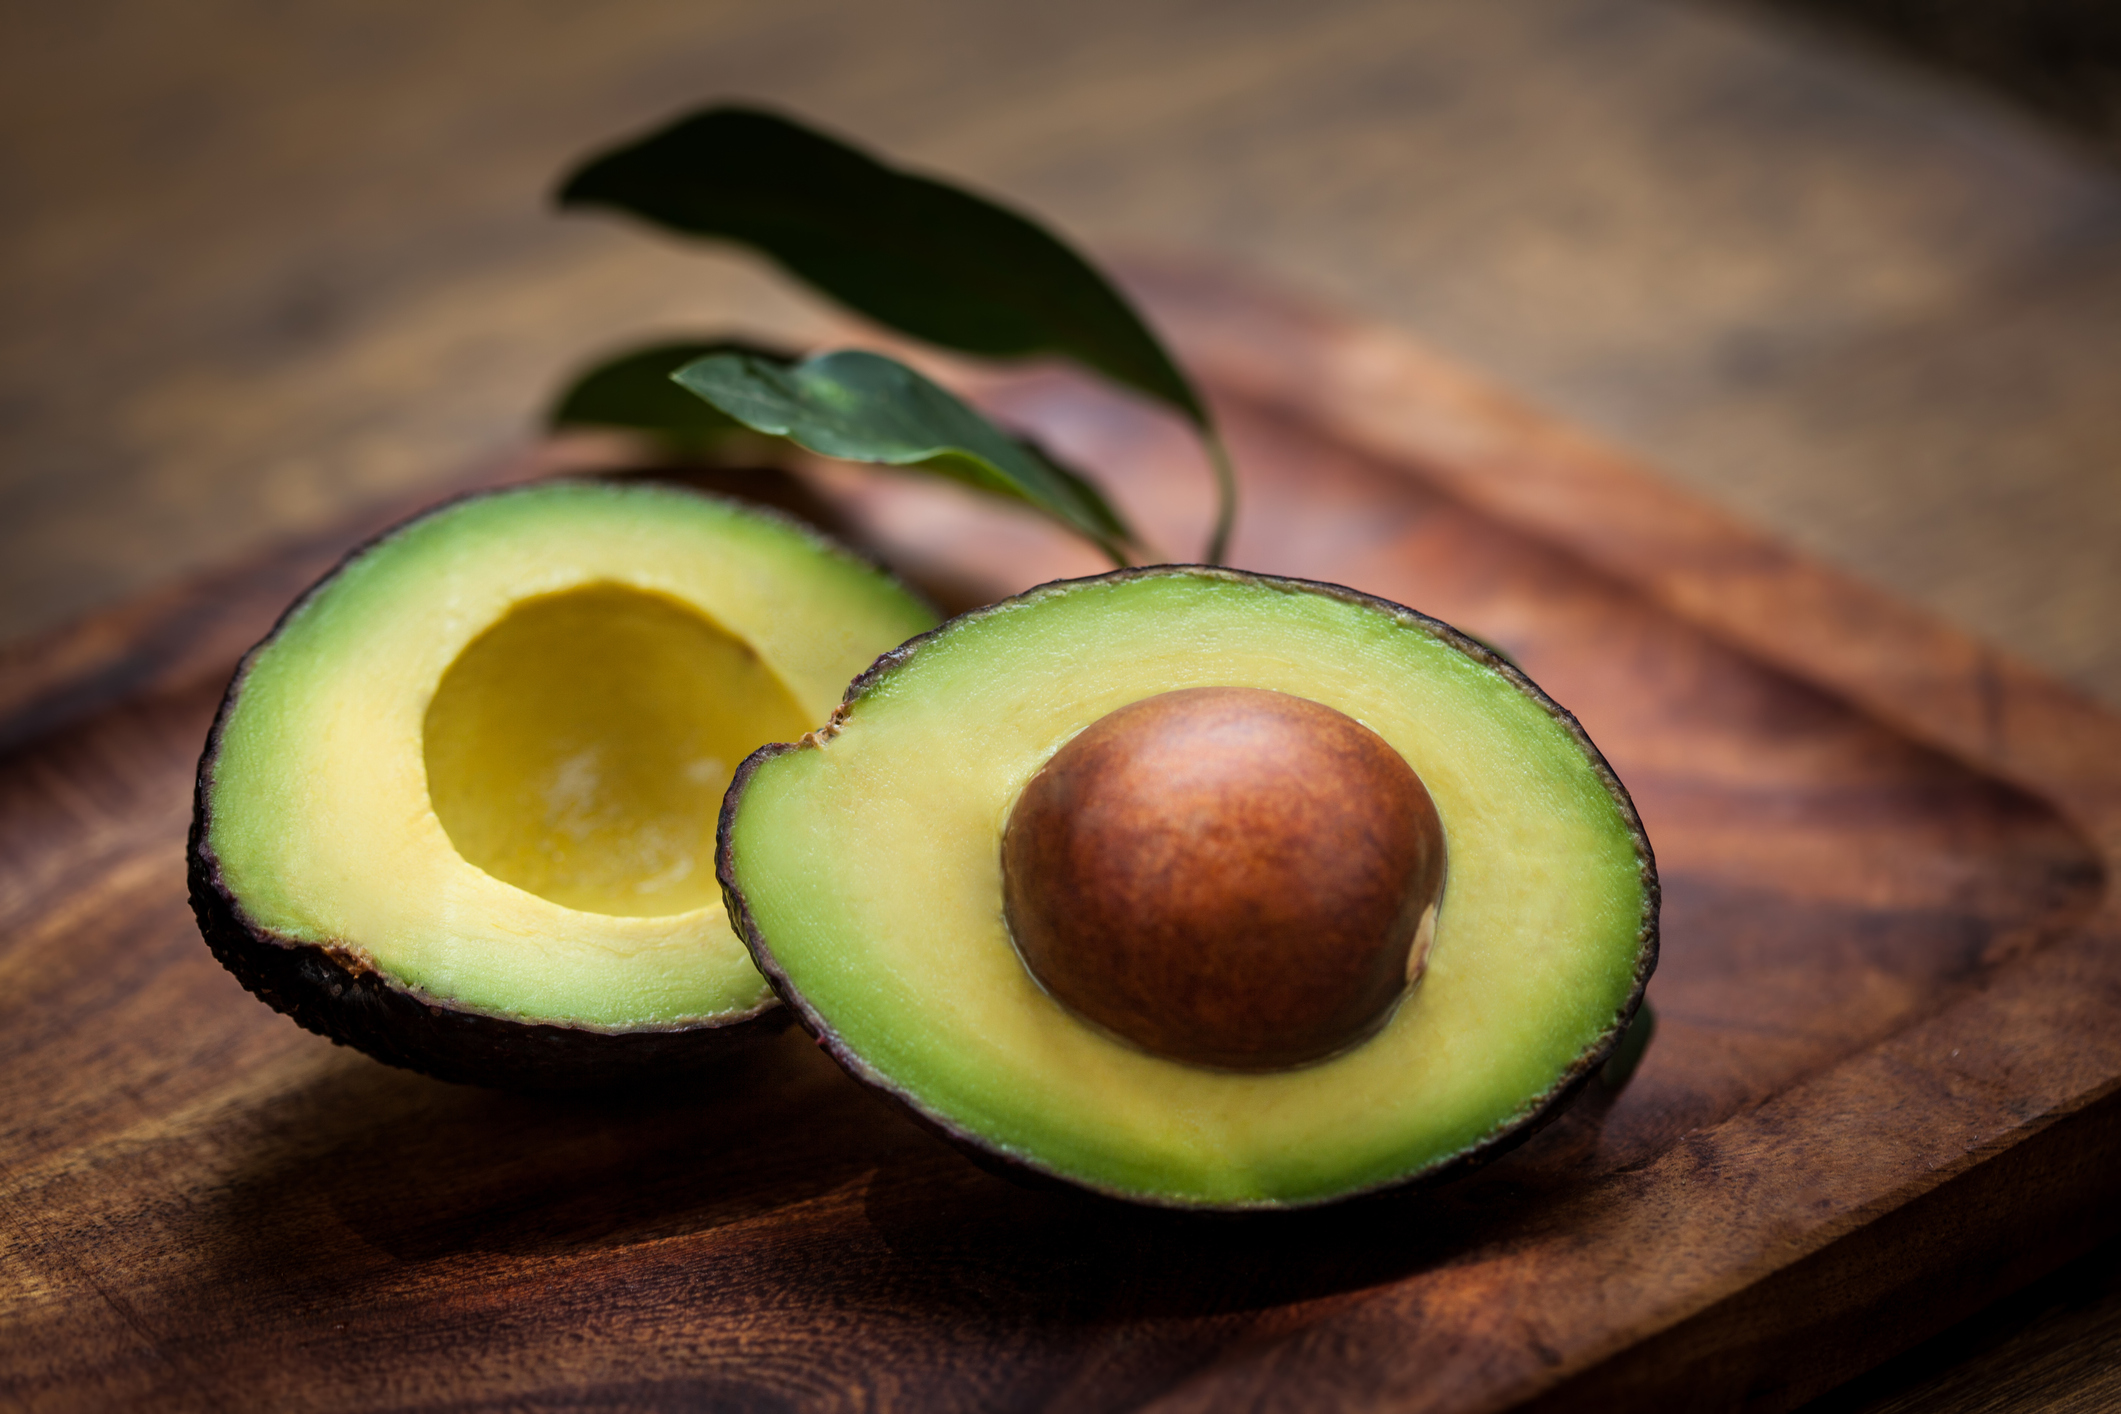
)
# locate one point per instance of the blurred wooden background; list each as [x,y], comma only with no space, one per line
[266,261]
[264,264]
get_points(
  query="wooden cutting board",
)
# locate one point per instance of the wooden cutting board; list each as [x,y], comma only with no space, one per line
[1883,1091]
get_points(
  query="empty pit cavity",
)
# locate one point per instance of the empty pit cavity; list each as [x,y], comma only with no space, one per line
[579,748]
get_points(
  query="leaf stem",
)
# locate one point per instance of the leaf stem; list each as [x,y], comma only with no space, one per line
[1225,495]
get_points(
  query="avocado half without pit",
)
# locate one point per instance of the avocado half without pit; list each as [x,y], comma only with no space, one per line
[1201,889]
[458,809]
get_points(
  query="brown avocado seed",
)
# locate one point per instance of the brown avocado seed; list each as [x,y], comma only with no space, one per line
[1225,876]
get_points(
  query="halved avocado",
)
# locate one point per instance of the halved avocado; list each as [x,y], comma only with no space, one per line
[863,864]
[458,808]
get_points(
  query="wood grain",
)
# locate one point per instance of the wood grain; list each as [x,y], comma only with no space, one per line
[1884,1088]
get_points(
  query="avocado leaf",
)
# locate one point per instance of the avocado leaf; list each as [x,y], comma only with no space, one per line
[862,406]
[633,390]
[915,254]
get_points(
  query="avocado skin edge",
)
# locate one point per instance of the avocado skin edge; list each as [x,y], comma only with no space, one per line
[336,993]
[1507,1135]
[340,995]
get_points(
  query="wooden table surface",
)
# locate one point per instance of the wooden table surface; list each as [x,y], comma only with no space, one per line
[269,265]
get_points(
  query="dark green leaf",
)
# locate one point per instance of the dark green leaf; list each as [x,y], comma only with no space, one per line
[865,407]
[912,253]
[633,390]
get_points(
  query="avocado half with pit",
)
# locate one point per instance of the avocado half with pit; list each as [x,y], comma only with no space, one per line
[458,808]
[1042,878]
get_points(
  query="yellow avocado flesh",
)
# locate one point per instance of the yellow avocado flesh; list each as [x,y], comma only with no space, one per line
[579,748]
[870,866]
[487,755]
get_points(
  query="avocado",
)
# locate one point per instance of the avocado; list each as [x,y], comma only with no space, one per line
[871,869]
[458,808]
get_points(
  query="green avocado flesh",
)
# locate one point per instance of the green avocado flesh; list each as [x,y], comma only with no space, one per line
[486,756]
[866,862]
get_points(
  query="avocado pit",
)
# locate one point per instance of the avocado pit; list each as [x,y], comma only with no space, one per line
[1226,876]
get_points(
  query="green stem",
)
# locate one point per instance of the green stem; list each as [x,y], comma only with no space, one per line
[1225,495]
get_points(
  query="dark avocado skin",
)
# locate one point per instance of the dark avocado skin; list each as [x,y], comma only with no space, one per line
[335,993]
[1505,1137]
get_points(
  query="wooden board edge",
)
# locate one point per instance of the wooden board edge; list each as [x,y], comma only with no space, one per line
[1890,1284]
